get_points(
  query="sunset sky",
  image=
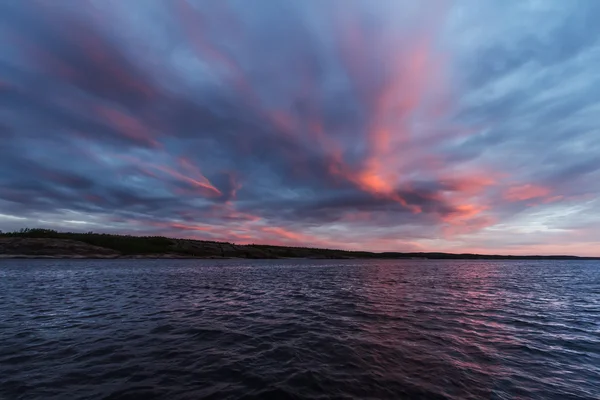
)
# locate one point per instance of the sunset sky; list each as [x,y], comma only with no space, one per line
[459,126]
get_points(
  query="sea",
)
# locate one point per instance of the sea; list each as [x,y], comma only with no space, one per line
[299,329]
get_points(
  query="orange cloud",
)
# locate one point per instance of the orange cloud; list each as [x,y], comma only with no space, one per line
[244,232]
[175,225]
[286,234]
[411,76]
[199,182]
[467,195]
[526,192]
[193,177]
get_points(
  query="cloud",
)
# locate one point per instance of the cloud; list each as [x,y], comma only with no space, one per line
[388,126]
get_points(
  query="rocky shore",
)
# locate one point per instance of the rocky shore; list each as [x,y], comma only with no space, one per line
[22,247]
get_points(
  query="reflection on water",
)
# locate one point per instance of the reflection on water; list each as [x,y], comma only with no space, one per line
[299,329]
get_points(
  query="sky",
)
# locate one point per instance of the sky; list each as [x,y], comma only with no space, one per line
[458,126]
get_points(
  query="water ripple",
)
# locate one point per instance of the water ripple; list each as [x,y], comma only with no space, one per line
[188,329]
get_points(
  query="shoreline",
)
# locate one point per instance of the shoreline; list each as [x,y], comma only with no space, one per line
[47,244]
[182,257]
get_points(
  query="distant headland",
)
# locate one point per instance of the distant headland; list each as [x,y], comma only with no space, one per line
[46,243]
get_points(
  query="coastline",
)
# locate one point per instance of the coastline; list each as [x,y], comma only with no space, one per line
[44,244]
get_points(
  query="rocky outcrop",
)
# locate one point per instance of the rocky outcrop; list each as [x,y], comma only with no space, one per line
[197,248]
[11,247]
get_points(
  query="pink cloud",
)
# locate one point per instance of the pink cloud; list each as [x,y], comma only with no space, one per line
[526,192]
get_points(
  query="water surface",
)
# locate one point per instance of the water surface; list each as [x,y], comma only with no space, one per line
[189,329]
